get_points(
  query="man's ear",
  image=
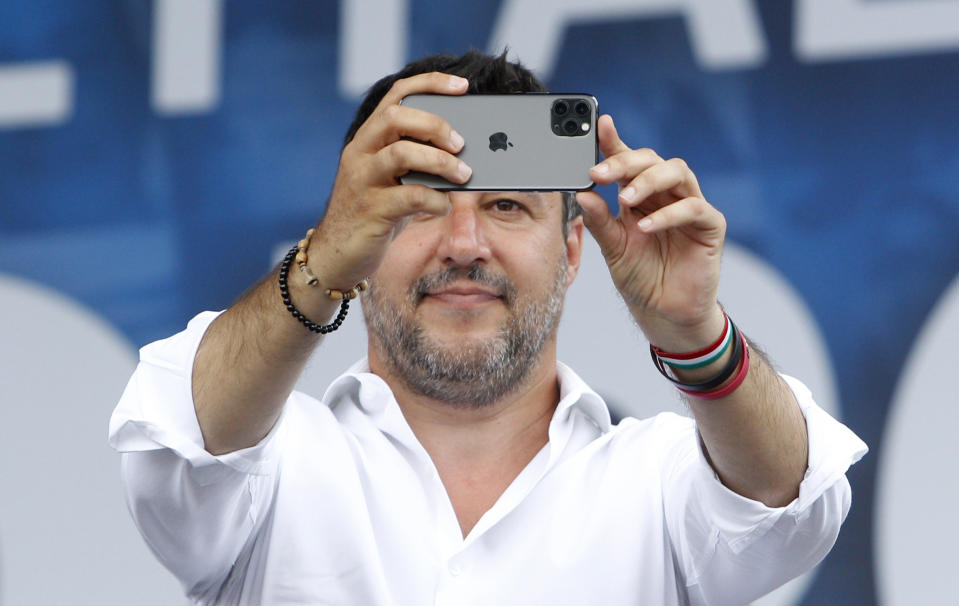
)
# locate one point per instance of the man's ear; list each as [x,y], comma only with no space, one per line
[574,249]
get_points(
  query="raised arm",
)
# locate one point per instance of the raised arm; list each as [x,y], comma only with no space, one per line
[252,355]
[663,251]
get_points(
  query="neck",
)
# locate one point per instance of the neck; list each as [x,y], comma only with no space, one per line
[518,421]
[478,452]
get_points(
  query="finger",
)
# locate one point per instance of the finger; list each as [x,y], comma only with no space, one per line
[431,82]
[609,142]
[692,212]
[672,175]
[624,166]
[396,122]
[599,220]
[401,157]
[408,200]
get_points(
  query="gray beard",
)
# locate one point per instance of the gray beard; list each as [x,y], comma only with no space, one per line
[471,375]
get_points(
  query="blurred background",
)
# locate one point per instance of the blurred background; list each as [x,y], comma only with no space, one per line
[157,156]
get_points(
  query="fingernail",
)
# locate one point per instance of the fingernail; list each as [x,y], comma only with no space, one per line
[601,169]
[646,223]
[628,194]
[456,140]
[456,83]
[465,172]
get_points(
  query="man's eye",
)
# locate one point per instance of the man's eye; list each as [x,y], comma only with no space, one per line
[507,205]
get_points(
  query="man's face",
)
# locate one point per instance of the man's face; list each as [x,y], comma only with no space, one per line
[463,305]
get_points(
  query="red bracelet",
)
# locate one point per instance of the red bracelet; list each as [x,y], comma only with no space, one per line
[736,382]
[695,354]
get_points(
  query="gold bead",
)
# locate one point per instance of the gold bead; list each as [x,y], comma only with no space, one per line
[301,258]
[310,278]
[303,244]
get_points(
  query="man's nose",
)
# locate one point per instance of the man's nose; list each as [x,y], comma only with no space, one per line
[464,240]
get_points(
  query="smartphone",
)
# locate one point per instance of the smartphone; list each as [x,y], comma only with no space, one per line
[520,141]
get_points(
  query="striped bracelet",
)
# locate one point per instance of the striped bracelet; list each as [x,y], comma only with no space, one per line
[700,358]
[715,387]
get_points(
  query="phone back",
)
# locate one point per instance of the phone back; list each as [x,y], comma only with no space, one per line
[517,141]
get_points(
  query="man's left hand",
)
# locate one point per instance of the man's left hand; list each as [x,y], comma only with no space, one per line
[663,249]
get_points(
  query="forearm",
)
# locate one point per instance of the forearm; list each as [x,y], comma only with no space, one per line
[248,362]
[755,438]
[663,251]
[253,354]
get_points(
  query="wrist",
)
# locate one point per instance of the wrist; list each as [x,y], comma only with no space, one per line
[689,337]
[711,373]
[298,257]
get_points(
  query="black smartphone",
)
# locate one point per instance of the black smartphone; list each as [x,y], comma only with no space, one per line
[517,142]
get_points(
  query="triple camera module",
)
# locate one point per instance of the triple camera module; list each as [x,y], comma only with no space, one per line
[571,117]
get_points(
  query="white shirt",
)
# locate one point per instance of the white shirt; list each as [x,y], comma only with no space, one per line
[340,504]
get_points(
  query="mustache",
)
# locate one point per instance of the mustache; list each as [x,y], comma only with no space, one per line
[502,285]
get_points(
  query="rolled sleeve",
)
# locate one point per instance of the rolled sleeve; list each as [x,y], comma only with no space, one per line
[195,510]
[156,411]
[725,536]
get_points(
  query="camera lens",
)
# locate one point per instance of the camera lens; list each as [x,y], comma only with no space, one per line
[582,108]
[570,126]
[560,107]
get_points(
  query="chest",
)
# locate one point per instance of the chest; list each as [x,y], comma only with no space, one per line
[475,489]
[391,533]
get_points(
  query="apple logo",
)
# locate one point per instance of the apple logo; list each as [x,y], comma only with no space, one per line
[499,141]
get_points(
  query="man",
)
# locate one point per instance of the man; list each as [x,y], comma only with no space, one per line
[461,463]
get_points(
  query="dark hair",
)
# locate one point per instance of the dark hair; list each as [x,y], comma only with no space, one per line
[486,74]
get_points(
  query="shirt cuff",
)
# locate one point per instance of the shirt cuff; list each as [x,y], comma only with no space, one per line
[156,411]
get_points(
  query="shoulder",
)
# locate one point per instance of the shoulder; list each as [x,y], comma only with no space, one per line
[663,432]
[642,450]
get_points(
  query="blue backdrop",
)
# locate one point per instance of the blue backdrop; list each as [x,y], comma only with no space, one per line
[841,173]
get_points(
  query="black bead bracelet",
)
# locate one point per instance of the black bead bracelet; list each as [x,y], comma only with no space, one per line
[285,293]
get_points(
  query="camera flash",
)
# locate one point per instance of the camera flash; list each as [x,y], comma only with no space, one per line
[585,127]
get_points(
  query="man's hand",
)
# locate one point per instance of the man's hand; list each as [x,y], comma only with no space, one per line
[663,251]
[368,206]
[664,247]
[252,355]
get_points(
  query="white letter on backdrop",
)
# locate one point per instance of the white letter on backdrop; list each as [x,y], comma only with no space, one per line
[373,40]
[725,34]
[37,93]
[827,30]
[186,56]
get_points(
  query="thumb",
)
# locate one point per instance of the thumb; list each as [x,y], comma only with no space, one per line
[598,220]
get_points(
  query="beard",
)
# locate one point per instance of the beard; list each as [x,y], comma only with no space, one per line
[471,374]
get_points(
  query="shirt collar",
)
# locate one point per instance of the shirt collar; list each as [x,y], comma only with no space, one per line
[576,395]
[375,398]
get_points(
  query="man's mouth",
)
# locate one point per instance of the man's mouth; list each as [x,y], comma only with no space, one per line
[463,295]
[459,288]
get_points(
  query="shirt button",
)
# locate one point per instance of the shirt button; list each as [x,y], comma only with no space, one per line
[455,570]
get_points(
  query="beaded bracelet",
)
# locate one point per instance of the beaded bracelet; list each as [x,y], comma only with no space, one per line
[705,389]
[285,293]
[297,253]
[312,280]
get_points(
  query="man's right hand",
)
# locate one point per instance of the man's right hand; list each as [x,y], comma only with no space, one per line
[252,355]
[368,206]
